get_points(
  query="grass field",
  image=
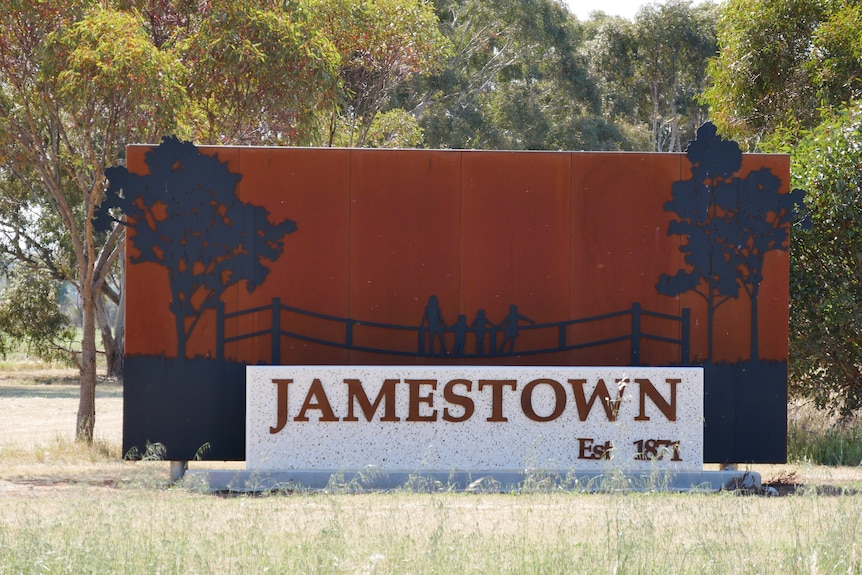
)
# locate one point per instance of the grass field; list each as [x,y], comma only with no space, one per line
[65,508]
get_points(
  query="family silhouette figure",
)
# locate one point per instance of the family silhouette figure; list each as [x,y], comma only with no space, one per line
[433,329]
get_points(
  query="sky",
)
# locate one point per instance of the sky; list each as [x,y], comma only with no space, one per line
[624,8]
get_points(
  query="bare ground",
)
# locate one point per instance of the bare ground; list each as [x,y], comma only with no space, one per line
[38,409]
[41,406]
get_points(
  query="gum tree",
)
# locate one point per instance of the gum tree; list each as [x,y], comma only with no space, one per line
[653,68]
[77,82]
[381,44]
[516,79]
[780,63]
[826,266]
[80,79]
[260,72]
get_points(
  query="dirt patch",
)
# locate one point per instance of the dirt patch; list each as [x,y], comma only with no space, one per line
[40,407]
[784,480]
[59,376]
[46,485]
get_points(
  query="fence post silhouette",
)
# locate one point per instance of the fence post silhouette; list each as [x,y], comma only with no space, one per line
[348,332]
[276,330]
[636,333]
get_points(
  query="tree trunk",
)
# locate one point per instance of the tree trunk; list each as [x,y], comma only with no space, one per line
[112,338]
[87,402]
[115,367]
[114,359]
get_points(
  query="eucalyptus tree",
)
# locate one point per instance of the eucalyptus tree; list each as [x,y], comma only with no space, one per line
[259,72]
[70,102]
[30,315]
[381,44]
[517,78]
[653,69]
[80,79]
[780,63]
[789,79]
[826,265]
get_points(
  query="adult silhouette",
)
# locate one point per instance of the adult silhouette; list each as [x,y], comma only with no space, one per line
[432,325]
[511,327]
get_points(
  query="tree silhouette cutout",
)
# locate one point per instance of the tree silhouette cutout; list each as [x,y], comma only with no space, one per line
[187,217]
[730,224]
[759,225]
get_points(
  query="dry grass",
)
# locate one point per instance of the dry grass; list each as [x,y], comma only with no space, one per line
[67,508]
[141,529]
[41,406]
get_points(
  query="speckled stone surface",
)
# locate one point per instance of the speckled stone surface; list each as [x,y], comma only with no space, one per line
[521,418]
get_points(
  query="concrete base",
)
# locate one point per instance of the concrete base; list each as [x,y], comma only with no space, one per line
[242,481]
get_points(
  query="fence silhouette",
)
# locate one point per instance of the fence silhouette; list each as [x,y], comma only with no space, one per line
[279,329]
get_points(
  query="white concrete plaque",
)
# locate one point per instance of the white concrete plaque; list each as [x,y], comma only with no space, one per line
[407,418]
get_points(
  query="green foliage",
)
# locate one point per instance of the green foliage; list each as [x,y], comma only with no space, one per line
[30,315]
[382,44]
[166,22]
[28,234]
[395,128]
[105,72]
[674,42]
[613,48]
[257,74]
[79,80]
[836,61]
[653,69]
[836,444]
[782,82]
[826,265]
[529,75]
[517,79]
[781,62]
